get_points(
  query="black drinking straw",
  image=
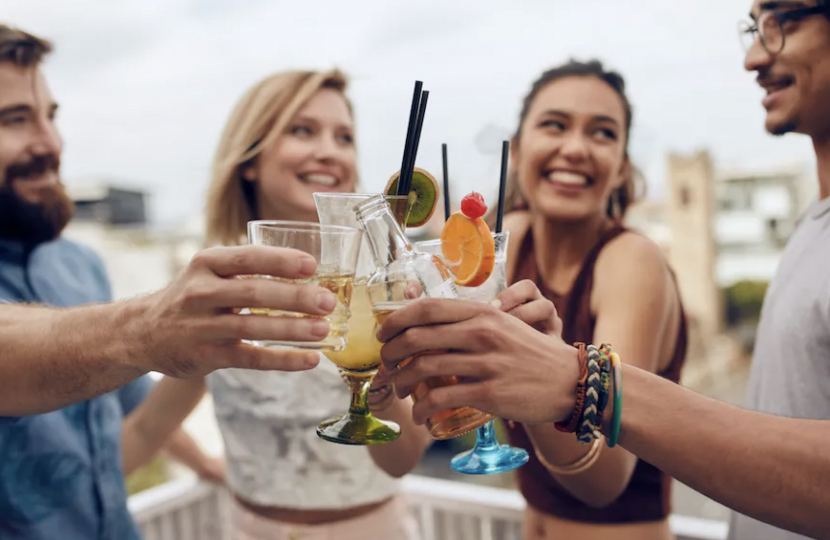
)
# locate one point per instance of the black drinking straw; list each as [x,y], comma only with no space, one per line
[410,136]
[422,109]
[505,149]
[446,182]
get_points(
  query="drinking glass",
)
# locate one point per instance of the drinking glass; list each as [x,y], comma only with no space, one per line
[335,249]
[403,275]
[487,456]
[359,361]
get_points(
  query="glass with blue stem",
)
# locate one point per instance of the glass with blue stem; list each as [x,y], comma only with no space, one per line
[488,456]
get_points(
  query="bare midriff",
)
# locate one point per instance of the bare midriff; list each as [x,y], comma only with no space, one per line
[540,526]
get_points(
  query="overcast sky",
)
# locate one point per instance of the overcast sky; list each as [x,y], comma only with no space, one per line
[146,85]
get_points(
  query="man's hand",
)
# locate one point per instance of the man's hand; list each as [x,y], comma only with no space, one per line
[192,327]
[505,367]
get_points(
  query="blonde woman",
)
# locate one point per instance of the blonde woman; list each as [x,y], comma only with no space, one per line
[292,135]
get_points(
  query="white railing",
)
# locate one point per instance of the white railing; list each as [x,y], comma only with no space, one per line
[187,509]
[184,509]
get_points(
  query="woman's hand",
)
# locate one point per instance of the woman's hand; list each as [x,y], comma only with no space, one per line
[524,301]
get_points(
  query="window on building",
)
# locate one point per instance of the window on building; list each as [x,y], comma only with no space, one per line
[685,197]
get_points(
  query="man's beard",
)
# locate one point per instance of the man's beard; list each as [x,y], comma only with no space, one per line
[782,128]
[28,222]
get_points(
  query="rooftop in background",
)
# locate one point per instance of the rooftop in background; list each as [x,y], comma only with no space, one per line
[105,203]
[735,174]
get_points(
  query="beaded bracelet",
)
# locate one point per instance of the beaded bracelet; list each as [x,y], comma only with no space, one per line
[589,427]
[579,466]
[573,422]
[605,377]
[616,419]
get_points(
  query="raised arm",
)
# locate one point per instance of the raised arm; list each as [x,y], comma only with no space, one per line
[157,419]
[773,469]
[633,299]
[770,468]
[50,358]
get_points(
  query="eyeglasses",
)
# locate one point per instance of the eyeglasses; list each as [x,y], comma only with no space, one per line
[770,27]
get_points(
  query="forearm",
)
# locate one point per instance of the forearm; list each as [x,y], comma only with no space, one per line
[402,455]
[156,423]
[773,469]
[136,451]
[599,485]
[186,451]
[51,358]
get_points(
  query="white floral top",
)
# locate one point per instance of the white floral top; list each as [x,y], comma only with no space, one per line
[274,456]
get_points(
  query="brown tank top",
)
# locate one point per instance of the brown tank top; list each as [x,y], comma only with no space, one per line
[647,496]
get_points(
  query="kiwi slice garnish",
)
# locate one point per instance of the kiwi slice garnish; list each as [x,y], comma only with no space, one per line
[423,196]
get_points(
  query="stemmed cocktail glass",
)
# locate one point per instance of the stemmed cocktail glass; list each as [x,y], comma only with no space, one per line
[359,361]
[487,456]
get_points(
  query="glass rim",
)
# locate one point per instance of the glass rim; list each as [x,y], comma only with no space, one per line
[435,241]
[302,226]
[344,195]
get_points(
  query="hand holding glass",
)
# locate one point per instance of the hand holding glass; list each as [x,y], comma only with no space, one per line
[487,456]
[360,360]
[401,269]
[335,249]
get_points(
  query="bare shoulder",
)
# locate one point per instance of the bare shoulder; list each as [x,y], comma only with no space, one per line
[633,261]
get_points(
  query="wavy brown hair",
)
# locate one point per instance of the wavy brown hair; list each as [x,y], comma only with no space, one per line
[621,198]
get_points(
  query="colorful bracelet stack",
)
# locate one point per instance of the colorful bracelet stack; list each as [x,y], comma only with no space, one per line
[573,422]
[600,378]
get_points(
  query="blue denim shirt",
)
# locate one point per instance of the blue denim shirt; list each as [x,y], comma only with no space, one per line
[60,472]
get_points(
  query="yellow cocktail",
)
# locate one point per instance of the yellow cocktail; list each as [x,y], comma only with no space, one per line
[362,352]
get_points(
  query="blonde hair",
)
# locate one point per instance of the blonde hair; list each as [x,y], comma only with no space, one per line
[259,118]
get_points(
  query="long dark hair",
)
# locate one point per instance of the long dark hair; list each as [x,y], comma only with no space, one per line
[621,198]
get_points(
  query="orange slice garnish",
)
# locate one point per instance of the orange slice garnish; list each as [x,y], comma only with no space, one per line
[468,246]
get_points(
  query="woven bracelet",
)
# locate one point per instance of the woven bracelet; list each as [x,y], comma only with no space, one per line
[571,425]
[589,426]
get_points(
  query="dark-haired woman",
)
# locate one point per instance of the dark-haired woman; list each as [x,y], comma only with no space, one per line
[572,182]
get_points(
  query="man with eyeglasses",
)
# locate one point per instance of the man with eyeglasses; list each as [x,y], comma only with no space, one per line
[772,463]
[789,50]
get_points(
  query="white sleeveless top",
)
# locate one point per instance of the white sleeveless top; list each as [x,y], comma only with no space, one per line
[274,456]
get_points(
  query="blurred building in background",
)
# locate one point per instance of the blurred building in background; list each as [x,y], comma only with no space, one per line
[114,221]
[757,212]
[724,232]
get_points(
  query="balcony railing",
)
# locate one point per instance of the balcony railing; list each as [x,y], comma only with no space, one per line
[187,509]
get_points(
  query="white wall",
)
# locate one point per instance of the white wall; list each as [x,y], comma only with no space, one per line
[740,227]
[737,266]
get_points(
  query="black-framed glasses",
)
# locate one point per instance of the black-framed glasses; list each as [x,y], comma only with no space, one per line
[769,27]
